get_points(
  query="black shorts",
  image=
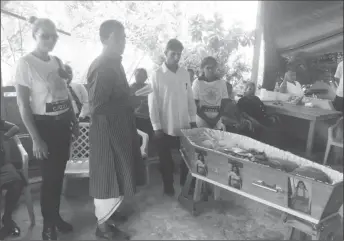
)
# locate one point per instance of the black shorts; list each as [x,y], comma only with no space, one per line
[338,103]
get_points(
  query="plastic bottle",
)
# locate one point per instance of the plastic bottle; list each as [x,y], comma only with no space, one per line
[277,87]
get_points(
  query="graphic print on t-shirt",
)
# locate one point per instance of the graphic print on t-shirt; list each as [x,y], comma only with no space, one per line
[58,93]
[211,98]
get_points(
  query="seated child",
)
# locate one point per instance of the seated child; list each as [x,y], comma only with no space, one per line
[11,181]
[209,92]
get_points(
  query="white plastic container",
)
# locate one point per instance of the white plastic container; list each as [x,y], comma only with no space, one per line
[266,95]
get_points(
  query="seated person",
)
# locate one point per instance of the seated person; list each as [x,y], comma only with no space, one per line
[209,92]
[141,77]
[192,75]
[80,97]
[290,85]
[338,101]
[234,120]
[140,103]
[230,90]
[255,109]
[10,180]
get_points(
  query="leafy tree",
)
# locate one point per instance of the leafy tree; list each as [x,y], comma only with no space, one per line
[148,26]
[208,37]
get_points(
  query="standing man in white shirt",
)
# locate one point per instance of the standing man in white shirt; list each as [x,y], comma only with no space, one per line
[338,101]
[80,96]
[171,108]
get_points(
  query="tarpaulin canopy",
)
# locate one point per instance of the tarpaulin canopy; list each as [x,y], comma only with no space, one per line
[312,27]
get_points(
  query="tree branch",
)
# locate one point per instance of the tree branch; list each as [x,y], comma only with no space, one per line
[10,45]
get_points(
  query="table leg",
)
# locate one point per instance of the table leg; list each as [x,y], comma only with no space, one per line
[310,138]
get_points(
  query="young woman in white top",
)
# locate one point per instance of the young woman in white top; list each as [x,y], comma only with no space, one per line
[45,107]
[209,92]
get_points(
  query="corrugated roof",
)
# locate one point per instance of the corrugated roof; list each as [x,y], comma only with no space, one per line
[312,27]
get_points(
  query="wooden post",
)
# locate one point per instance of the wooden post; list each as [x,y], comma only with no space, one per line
[2,110]
[271,55]
[257,44]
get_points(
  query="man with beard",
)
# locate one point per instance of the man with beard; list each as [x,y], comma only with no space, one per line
[116,164]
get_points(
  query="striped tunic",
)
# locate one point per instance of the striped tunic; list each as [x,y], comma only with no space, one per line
[116,165]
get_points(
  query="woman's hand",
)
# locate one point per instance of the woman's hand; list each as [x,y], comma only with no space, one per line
[40,149]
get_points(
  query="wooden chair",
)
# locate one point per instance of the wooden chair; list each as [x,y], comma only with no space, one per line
[25,170]
[331,140]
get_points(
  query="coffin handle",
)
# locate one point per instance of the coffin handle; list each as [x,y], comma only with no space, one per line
[262,184]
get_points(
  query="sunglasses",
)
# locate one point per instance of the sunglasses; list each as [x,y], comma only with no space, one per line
[45,36]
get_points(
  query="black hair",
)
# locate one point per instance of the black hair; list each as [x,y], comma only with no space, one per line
[141,70]
[108,27]
[174,44]
[250,83]
[208,60]
[68,68]
[37,23]
[299,183]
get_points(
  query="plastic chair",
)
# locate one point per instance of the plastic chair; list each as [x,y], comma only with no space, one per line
[144,150]
[25,170]
[331,141]
[78,164]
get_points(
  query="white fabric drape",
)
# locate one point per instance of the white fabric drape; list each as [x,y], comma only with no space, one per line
[104,208]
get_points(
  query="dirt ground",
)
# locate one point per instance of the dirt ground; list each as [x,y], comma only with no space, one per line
[153,216]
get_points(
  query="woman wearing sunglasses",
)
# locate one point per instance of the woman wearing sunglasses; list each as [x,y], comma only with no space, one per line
[45,107]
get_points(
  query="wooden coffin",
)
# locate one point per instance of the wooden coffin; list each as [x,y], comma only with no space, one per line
[205,152]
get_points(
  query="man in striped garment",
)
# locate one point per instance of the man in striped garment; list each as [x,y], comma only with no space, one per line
[116,164]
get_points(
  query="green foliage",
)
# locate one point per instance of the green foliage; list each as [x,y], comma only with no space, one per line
[208,37]
[148,26]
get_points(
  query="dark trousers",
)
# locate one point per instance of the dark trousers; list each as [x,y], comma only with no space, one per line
[338,103]
[145,125]
[165,145]
[14,190]
[57,136]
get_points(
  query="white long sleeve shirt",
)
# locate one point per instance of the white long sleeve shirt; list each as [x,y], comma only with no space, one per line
[82,94]
[171,104]
[339,75]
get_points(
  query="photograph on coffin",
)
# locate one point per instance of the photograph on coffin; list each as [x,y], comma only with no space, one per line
[234,178]
[300,195]
[201,167]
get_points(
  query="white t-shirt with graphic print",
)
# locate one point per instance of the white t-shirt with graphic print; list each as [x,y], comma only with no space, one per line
[49,93]
[210,95]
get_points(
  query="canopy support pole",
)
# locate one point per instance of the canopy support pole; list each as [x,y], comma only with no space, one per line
[257,45]
[25,19]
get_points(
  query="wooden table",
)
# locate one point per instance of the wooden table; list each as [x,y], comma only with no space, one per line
[306,113]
